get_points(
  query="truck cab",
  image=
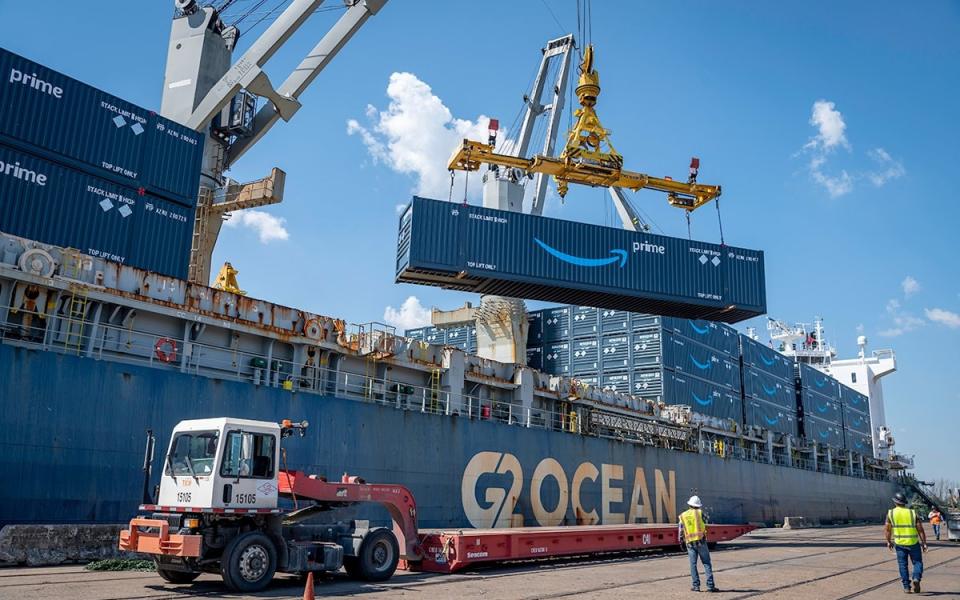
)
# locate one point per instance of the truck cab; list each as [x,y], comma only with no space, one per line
[218,510]
[222,463]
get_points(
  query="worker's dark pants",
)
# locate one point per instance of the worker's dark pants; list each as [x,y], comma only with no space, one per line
[699,550]
[916,557]
[936,531]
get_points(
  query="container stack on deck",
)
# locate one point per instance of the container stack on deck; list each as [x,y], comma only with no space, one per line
[856,420]
[822,410]
[769,388]
[463,337]
[84,169]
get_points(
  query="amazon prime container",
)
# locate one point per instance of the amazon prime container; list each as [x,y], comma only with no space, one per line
[760,385]
[556,324]
[535,357]
[585,356]
[585,321]
[717,336]
[759,356]
[647,382]
[614,321]
[556,358]
[692,359]
[490,251]
[702,396]
[818,382]
[535,331]
[821,407]
[823,432]
[858,442]
[415,334]
[61,119]
[770,416]
[854,400]
[47,202]
[618,382]
[856,421]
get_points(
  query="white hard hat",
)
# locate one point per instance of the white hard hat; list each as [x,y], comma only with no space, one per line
[694,501]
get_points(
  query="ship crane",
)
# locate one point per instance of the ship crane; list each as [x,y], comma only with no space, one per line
[205,92]
[588,158]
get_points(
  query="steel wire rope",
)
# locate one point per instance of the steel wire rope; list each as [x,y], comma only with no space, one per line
[552,14]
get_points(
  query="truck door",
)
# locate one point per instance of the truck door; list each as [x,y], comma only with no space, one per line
[248,471]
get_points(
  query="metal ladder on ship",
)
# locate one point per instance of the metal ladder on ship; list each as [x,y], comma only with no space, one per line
[435,381]
[76,303]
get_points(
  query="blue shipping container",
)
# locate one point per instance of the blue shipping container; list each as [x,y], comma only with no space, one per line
[491,251]
[702,396]
[615,353]
[821,407]
[766,359]
[696,360]
[760,385]
[414,334]
[535,333]
[535,357]
[819,382]
[647,382]
[556,324]
[585,321]
[614,321]
[858,442]
[856,421]
[61,119]
[556,358]
[718,336]
[47,202]
[770,416]
[585,356]
[854,399]
[618,382]
[823,432]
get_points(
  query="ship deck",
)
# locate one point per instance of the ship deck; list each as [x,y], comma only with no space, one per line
[836,563]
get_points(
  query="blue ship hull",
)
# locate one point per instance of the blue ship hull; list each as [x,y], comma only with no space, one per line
[73,438]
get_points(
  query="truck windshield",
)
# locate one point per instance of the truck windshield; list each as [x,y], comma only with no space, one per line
[199,446]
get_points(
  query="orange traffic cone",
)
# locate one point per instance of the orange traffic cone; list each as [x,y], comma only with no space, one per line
[308,590]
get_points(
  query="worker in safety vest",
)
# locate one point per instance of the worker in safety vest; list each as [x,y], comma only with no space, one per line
[693,532]
[935,519]
[905,534]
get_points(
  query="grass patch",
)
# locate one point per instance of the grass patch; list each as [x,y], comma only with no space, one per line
[121,564]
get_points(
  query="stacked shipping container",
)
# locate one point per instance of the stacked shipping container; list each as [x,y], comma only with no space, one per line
[819,401]
[675,360]
[769,389]
[703,364]
[857,429]
[84,169]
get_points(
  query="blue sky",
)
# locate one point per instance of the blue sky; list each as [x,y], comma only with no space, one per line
[831,126]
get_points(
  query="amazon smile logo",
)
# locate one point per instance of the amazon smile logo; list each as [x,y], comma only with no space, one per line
[617,255]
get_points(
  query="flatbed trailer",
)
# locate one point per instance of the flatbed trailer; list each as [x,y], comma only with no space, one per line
[447,551]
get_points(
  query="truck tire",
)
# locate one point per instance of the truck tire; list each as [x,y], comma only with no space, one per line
[176,576]
[249,562]
[377,558]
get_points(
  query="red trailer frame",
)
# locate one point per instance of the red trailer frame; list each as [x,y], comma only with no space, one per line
[449,551]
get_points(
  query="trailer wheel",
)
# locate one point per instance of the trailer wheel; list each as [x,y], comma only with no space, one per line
[249,562]
[176,576]
[377,558]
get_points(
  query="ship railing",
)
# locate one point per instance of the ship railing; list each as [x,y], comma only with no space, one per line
[103,341]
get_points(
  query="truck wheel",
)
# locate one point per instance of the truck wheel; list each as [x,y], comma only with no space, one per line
[377,558]
[249,562]
[176,576]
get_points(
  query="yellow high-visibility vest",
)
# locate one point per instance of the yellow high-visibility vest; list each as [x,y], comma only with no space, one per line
[903,522]
[694,529]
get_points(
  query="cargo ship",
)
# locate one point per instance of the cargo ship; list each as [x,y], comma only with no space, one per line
[618,416]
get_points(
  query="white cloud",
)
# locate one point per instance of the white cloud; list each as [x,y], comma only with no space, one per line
[944,317]
[832,134]
[836,185]
[267,226]
[910,286]
[889,168]
[860,329]
[410,315]
[903,321]
[416,135]
[399,208]
[831,128]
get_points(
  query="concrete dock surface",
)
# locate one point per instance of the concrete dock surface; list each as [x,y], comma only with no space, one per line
[834,563]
